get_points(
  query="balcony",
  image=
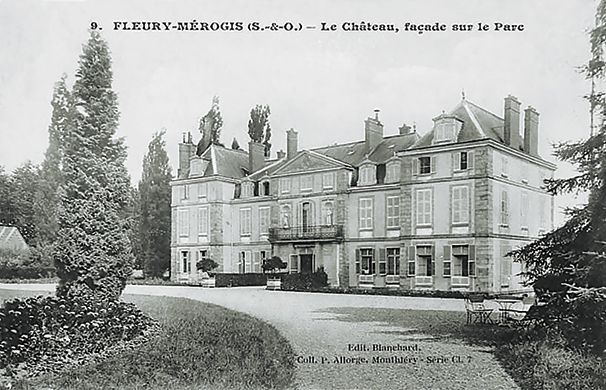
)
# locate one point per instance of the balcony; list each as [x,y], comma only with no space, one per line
[306,233]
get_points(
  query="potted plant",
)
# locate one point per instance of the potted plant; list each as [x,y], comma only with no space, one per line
[274,282]
[203,267]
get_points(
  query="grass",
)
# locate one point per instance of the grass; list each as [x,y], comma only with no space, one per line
[534,361]
[200,346]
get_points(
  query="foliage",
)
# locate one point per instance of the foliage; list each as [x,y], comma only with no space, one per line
[237,280]
[22,189]
[93,255]
[47,194]
[305,282]
[52,330]
[154,203]
[234,144]
[210,127]
[206,265]
[259,129]
[273,264]
[567,267]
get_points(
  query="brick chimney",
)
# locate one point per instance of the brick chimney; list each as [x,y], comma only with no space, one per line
[373,131]
[291,143]
[512,119]
[531,131]
[186,151]
[281,154]
[256,156]
[404,129]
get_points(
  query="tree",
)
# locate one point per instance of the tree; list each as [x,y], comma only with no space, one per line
[273,264]
[7,209]
[234,144]
[155,213]
[258,126]
[47,194]
[93,255]
[567,267]
[23,185]
[206,265]
[210,127]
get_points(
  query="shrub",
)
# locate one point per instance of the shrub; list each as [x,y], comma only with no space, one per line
[273,264]
[206,265]
[306,282]
[26,272]
[234,280]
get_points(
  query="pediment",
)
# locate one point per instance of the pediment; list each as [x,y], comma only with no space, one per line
[309,162]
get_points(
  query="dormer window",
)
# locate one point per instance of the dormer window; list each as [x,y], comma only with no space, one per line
[247,189]
[265,188]
[446,128]
[392,174]
[368,175]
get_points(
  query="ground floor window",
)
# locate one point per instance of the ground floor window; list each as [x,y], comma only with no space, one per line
[393,261]
[365,261]
[245,262]
[294,264]
[185,264]
[425,264]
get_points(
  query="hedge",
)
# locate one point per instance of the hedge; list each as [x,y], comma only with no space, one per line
[235,280]
[26,272]
[305,282]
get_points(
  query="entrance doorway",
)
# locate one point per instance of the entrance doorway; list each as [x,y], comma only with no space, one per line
[307,265]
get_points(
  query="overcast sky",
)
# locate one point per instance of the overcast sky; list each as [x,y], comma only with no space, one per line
[324,84]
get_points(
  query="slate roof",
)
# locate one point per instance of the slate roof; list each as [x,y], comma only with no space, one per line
[478,123]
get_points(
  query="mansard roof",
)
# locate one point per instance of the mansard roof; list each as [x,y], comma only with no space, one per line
[478,123]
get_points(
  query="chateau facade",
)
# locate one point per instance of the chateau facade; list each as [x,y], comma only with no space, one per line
[437,211]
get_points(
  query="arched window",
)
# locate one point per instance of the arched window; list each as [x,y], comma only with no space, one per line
[368,175]
[392,174]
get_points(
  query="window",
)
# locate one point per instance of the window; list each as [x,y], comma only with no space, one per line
[294,263]
[245,262]
[202,190]
[245,222]
[393,212]
[463,160]
[423,205]
[504,166]
[365,211]
[328,213]
[524,211]
[265,188]
[286,216]
[284,185]
[463,261]
[444,130]
[367,175]
[411,261]
[393,172]
[393,261]
[264,220]
[247,189]
[424,165]
[504,208]
[364,261]
[460,205]
[185,264]
[185,192]
[183,223]
[256,264]
[525,169]
[307,182]
[542,213]
[424,261]
[202,254]
[203,221]
[328,181]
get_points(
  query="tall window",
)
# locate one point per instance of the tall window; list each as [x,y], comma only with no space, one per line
[265,188]
[284,185]
[504,208]
[203,221]
[185,192]
[307,183]
[393,261]
[463,261]
[393,172]
[285,216]
[202,190]
[264,220]
[365,211]
[367,175]
[294,263]
[424,261]
[183,223]
[247,189]
[185,264]
[423,206]
[245,222]
[424,165]
[328,180]
[524,211]
[504,166]
[463,160]
[393,212]
[245,261]
[328,213]
[460,205]
[365,261]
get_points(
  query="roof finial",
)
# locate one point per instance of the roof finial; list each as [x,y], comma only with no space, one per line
[463,94]
[414,127]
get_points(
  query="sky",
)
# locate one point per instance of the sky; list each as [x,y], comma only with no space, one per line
[321,83]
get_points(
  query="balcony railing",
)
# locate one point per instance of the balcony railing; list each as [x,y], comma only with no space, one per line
[302,233]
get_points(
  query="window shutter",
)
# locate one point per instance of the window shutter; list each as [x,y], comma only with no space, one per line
[373,263]
[358,265]
[446,260]
[433,261]
[472,260]
[256,259]
[382,258]
[470,160]
[411,253]
[415,166]
[456,161]
[433,164]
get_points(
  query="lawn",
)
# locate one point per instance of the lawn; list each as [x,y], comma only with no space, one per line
[200,346]
[534,361]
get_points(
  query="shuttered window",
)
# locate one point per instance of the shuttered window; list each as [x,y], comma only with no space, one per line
[365,213]
[245,222]
[423,207]
[393,211]
[203,221]
[460,205]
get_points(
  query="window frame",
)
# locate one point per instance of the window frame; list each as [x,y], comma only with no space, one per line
[392,212]
[394,257]
[185,192]
[422,166]
[392,171]
[326,184]
[308,182]
[203,226]
[429,201]
[183,218]
[285,185]
[185,262]
[365,222]
[245,222]
[264,227]
[202,190]
[458,206]
[504,209]
[524,210]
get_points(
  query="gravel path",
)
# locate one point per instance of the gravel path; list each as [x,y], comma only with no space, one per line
[329,349]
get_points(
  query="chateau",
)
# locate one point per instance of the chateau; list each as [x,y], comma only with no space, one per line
[433,211]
